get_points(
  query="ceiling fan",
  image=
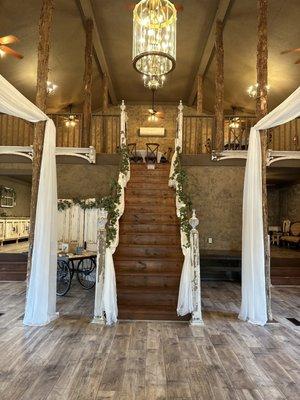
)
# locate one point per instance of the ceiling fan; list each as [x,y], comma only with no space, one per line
[71,120]
[5,49]
[152,113]
[296,50]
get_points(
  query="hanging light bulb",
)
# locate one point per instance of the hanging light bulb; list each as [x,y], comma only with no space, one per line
[51,87]
[252,90]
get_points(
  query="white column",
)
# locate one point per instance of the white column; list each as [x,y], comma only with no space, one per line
[195,264]
[178,139]
[123,123]
[101,249]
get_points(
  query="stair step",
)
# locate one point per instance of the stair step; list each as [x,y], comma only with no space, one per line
[150,239]
[162,281]
[150,201]
[137,228]
[167,313]
[148,266]
[152,193]
[147,296]
[148,185]
[149,218]
[125,251]
[154,208]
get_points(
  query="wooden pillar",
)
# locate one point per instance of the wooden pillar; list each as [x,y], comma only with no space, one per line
[261,111]
[45,26]
[105,93]
[219,87]
[200,94]
[87,84]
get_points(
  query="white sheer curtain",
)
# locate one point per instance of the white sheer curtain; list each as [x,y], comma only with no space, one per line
[109,295]
[41,297]
[253,308]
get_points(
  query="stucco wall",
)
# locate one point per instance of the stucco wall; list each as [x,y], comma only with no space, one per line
[289,198]
[273,206]
[216,193]
[23,190]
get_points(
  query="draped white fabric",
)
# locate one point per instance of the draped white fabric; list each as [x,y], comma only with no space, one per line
[109,294]
[253,306]
[185,304]
[41,297]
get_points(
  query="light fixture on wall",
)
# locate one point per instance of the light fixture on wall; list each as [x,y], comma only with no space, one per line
[51,87]
[154,40]
[252,90]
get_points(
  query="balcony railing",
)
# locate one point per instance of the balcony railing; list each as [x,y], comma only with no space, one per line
[198,133]
[105,132]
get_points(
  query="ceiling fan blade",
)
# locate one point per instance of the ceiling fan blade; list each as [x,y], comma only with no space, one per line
[298,61]
[291,50]
[130,6]
[11,52]
[9,39]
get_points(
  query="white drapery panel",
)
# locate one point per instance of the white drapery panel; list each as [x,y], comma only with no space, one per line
[41,297]
[109,295]
[253,306]
[185,304]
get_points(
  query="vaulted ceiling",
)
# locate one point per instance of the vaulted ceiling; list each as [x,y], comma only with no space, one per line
[114,25]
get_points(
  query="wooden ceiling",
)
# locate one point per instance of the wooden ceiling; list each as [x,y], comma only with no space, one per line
[114,29]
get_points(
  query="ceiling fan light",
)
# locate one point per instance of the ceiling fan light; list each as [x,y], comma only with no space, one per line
[2,53]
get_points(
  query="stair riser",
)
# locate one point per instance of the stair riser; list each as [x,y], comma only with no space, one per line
[140,229]
[152,193]
[147,239]
[135,315]
[147,299]
[151,202]
[147,185]
[144,218]
[145,252]
[148,266]
[163,282]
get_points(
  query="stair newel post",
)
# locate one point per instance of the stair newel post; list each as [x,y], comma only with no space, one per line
[101,249]
[124,119]
[195,263]
[178,139]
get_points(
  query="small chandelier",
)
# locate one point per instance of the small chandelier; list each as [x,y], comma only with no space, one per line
[154,39]
[51,87]
[252,90]
[234,123]
[71,121]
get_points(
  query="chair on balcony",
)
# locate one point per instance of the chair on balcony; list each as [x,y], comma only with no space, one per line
[166,157]
[131,147]
[152,153]
[292,238]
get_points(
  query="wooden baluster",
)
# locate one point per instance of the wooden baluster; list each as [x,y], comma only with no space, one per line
[219,84]
[195,264]
[100,269]
[87,84]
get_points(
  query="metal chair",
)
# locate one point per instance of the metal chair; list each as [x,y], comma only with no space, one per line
[166,156]
[152,153]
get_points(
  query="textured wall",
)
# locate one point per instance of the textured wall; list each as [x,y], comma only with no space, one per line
[216,193]
[23,190]
[290,203]
[273,206]
[85,181]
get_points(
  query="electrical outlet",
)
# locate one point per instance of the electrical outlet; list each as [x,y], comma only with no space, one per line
[210,240]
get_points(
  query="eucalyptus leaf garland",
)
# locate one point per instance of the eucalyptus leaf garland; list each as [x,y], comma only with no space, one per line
[181,179]
[109,203]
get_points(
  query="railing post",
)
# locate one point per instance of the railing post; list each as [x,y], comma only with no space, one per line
[101,249]
[123,124]
[178,139]
[195,262]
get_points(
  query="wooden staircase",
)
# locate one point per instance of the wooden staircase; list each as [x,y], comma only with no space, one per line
[148,260]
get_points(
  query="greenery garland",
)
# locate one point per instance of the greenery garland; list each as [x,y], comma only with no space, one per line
[181,178]
[109,203]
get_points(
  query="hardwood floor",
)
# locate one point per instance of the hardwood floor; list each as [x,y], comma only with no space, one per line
[226,359]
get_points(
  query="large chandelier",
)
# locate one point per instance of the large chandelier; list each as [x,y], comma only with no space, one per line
[252,90]
[154,40]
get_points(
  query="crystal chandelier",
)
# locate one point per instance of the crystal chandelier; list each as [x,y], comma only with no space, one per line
[252,90]
[234,123]
[51,87]
[154,40]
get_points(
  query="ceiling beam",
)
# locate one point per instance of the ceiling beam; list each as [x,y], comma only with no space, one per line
[86,11]
[221,14]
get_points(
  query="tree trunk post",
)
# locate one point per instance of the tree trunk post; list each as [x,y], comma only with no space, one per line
[45,27]
[105,93]
[200,94]
[219,85]
[87,84]
[261,111]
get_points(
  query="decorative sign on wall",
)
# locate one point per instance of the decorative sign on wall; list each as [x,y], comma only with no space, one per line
[7,197]
[152,131]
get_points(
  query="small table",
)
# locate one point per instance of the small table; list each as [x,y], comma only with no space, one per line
[143,154]
[275,238]
[85,270]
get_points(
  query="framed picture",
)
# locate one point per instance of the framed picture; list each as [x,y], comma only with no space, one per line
[150,131]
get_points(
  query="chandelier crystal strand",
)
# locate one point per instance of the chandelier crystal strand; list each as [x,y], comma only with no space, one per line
[154,40]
